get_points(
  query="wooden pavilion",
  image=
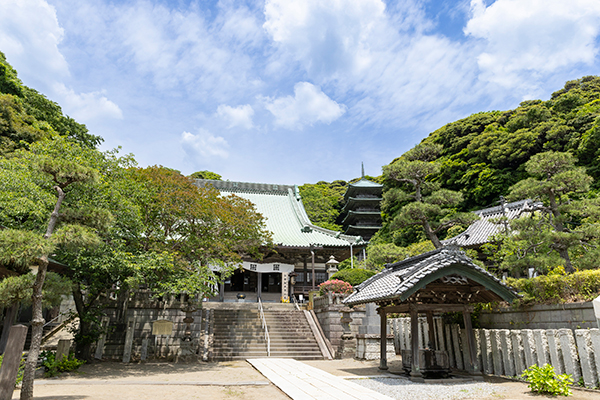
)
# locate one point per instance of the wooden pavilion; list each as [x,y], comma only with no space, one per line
[443,280]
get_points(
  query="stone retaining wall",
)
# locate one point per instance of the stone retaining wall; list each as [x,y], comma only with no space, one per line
[509,352]
[571,316]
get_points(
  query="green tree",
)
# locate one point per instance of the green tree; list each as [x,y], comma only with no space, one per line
[559,185]
[422,201]
[205,175]
[57,165]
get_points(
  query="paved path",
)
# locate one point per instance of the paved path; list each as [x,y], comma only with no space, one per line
[303,382]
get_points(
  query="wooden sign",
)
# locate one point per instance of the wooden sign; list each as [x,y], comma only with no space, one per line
[162,327]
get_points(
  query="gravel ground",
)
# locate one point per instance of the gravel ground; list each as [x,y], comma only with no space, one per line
[404,389]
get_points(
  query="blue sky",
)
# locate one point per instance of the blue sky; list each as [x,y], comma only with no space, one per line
[291,91]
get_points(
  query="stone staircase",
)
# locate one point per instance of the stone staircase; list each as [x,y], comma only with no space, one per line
[238,334]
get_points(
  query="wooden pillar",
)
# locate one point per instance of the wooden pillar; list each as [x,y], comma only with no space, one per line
[473,367]
[383,347]
[415,371]
[431,330]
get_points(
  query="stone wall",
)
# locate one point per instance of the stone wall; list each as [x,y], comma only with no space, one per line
[142,312]
[509,352]
[571,316]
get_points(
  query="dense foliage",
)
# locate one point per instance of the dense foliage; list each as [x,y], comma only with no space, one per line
[558,287]
[354,276]
[543,150]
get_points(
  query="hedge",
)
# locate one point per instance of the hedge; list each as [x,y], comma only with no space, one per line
[559,288]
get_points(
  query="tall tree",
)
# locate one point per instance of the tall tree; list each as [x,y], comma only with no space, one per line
[56,165]
[560,187]
[418,200]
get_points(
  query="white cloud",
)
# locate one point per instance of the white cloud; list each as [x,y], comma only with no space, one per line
[29,37]
[236,116]
[524,39]
[204,144]
[309,105]
[87,106]
[182,50]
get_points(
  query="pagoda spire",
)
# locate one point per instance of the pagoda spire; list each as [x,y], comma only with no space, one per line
[362,165]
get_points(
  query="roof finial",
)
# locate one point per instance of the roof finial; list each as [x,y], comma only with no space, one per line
[362,165]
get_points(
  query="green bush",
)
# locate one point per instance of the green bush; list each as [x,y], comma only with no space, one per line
[545,380]
[558,287]
[19,372]
[353,276]
[54,367]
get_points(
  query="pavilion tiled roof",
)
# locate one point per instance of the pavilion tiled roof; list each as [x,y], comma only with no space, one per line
[284,214]
[399,280]
[489,223]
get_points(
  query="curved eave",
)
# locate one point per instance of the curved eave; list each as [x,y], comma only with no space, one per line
[358,215]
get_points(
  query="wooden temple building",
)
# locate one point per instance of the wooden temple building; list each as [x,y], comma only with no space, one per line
[298,261]
[361,213]
[436,282]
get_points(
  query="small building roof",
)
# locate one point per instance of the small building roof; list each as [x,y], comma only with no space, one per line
[444,275]
[284,214]
[487,225]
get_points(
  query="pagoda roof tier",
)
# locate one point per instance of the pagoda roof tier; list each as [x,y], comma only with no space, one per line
[361,216]
[362,230]
[363,186]
[354,202]
[284,215]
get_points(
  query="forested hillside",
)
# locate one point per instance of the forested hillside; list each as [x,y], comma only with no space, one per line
[546,150]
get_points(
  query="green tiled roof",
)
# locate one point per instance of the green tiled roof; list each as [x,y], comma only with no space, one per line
[284,214]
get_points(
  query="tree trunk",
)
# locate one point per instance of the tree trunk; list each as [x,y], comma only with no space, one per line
[83,347]
[431,235]
[37,319]
[37,328]
[564,253]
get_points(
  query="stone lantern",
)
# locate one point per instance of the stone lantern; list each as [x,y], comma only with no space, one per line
[331,266]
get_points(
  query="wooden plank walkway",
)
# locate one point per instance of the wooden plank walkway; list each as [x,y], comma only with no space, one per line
[303,382]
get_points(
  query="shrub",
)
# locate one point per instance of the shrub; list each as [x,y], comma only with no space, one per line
[335,286]
[354,276]
[558,287]
[54,367]
[545,380]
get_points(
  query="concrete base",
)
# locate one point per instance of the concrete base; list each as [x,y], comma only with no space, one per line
[368,347]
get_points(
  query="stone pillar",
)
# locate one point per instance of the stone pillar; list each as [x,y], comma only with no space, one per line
[12,360]
[486,352]
[347,347]
[595,337]
[518,352]
[439,325]
[102,339]
[496,352]
[508,359]
[586,356]
[398,335]
[569,351]
[529,347]
[556,358]
[406,329]
[128,339]
[450,346]
[455,329]
[383,344]
[469,345]
[541,346]
[62,349]
[477,333]
[415,371]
